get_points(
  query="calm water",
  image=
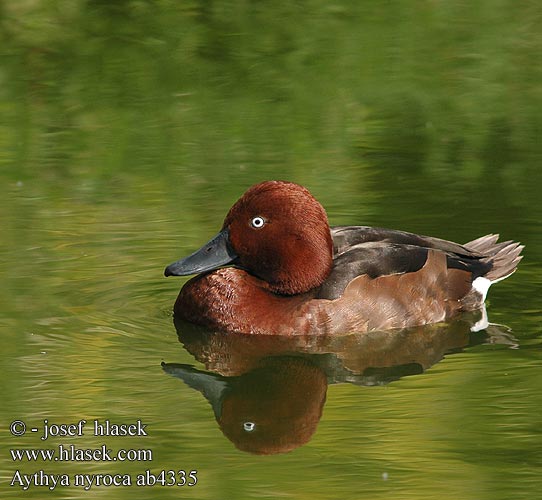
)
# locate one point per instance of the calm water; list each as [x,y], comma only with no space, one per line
[127,131]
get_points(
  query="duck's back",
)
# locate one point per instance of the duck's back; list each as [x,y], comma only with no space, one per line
[379,252]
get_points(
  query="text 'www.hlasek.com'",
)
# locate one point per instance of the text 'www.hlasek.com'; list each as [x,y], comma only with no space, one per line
[25,476]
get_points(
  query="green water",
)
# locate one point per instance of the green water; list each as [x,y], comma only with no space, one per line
[127,130]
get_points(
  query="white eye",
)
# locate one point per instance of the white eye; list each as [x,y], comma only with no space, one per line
[249,426]
[257,222]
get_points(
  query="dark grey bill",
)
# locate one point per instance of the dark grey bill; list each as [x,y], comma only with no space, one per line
[212,255]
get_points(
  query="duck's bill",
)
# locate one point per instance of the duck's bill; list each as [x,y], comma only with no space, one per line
[212,255]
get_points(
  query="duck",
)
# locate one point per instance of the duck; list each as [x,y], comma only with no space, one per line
[276,267]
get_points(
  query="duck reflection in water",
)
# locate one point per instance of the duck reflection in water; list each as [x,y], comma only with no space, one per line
[267,392]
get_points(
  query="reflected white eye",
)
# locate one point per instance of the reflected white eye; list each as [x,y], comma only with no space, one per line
[249,426]
[257,222]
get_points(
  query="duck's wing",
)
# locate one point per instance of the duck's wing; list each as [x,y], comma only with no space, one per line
[376,252]
[346,237]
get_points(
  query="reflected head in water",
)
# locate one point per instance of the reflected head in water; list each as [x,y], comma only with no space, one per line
[271,409]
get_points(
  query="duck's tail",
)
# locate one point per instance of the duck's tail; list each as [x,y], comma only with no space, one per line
[504,257]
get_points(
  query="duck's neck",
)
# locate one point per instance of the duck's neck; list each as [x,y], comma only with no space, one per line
[305,265]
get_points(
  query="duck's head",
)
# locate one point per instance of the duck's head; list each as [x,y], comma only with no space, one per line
[276,231]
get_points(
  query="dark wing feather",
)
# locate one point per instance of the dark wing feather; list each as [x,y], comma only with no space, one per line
[381,252]
[345,237]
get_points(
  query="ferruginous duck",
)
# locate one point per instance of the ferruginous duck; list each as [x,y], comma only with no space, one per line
[291,274]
